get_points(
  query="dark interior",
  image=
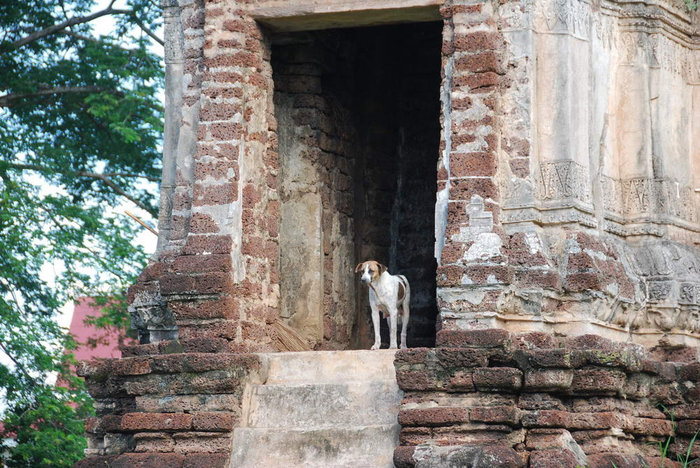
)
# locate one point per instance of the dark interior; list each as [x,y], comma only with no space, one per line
[359,110]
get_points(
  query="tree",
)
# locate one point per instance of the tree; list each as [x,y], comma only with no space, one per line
[80,122]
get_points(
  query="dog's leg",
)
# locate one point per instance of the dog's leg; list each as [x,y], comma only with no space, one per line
[405,313]
[375,321]
[393,319]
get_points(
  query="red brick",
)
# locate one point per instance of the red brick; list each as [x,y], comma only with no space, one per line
[461,382]
[578,282]
[464,189]
[207,460]
[156,421]
[487,338]
[225,307]
[495,414]
[553,459]
[607,460]
[462,357]
[213,421]
[689,426]
[149,460]
[482,62]
[433,416]
[597,381]
[416,380]
[403,457]
[478,41]
[212,282]
[201,223]
[546,418]
[218,194]
[478,82]
[498,378]
[473,164]
[239,59]
[132,366]
[489,274]
[653,427]
[226,329]
[202,263]
[218,111]
[176,284]
[590,342]
[450,275]
[96,462]
[548,379]
[527,277]
[411,356]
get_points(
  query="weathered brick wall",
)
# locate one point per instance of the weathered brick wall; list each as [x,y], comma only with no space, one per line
[170,411]
[214,284]
[488,398]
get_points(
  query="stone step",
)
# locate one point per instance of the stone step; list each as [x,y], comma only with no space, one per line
[317,405]
[330,366]
[356,447]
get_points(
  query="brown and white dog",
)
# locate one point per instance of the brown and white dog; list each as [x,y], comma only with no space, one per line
[387,293]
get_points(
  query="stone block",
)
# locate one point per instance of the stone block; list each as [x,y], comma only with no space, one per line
[148,460]
[433,416]
[462,357]
[564,358]
[156,422]
[598,381]
[206,460]
[498,378]
[488,338]
[553,458]
[495,414]
[213,421]
[548,379]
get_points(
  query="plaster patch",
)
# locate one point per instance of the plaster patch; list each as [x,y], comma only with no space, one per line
[487,245]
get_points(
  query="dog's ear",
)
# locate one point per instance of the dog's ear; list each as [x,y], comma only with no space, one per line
[359,267]
[382,268]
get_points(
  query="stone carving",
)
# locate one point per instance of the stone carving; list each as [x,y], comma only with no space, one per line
[658,50]
[151,318]
[563,16]
[646,196]
[563,180]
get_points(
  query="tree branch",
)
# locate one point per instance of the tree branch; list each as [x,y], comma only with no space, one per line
[66,24]
[7,99]
[91,175]
[148,31]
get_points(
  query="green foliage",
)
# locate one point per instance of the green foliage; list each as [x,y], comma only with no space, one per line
[80,122]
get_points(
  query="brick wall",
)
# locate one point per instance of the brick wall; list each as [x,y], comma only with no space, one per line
[170,411]
[486,398]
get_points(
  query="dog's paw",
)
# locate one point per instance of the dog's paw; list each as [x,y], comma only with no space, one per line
[375,346]
[393,347]
[403,346]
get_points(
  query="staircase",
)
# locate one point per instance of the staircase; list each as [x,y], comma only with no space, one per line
[321,409]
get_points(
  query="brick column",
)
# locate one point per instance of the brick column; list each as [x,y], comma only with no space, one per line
[216,280]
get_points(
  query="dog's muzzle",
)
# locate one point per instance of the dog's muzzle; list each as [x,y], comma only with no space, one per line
[364,280]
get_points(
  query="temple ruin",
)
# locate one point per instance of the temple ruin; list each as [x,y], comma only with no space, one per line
[532,167]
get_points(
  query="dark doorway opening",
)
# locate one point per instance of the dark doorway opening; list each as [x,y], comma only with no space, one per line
[358,122]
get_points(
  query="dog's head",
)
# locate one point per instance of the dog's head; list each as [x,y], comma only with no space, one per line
[371,270]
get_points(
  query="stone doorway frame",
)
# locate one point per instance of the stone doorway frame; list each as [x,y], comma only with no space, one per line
[215,283]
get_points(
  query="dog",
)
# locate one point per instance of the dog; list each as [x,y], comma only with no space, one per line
[387,293]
